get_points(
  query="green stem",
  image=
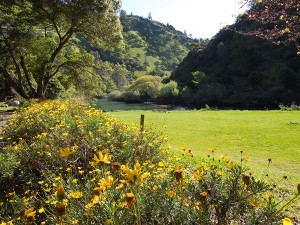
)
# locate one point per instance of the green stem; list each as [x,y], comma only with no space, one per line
[278,211]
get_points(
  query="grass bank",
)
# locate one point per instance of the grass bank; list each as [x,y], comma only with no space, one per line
[261,135]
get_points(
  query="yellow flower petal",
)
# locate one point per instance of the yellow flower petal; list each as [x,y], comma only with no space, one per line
[287,221]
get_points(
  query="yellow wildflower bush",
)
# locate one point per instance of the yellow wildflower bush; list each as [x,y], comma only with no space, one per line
[76,165]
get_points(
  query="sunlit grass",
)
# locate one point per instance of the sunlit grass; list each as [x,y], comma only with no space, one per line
[261,135]
[4,108]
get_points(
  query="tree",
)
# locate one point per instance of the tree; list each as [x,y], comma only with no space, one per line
[38,39]
[280,20]
[149,16]
[123,13]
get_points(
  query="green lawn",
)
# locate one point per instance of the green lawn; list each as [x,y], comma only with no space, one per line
[9,108]
[259,134]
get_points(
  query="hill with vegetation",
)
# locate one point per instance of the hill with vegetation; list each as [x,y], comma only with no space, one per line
[239,70]
[152,51]
[150,47]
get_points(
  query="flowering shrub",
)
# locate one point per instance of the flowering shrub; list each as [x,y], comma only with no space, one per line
[74,165]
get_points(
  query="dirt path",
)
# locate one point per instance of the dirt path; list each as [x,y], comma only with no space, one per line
[4,116]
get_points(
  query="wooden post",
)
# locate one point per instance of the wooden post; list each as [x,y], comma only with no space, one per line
[142,122]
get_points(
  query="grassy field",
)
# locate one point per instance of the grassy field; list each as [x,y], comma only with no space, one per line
[261,135]
[9,108]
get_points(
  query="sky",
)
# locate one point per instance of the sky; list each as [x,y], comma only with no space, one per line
[200,18]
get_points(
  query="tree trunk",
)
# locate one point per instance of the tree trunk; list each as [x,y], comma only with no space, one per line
[12,83]
[42,87]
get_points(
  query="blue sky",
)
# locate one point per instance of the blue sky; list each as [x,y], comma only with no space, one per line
[201,18]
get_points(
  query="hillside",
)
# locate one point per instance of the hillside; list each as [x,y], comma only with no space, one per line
[240,70]
[151,47]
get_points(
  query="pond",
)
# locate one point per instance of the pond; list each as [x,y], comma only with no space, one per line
[108,105]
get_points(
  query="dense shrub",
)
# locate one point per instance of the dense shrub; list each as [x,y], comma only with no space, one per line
[55,89]
[147,87]
[131,96]
[71,164]
[115,95]
[168,92]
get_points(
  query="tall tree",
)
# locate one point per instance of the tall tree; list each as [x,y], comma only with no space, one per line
[38,39]
[280,20]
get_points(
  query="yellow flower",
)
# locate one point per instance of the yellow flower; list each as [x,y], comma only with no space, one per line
[197,175]
[120,186]
[103,158]
[74,181]
[254,202]
[106,183]
[287,221]
[171,193]
[131,175]
[219,173]
[161,164]
[222,156]
[75,222]
[7,223]
[65,152]
[230,166]
[145,175]
[41,210]
[76,195]
[155,187]
[29,216]
[226,159]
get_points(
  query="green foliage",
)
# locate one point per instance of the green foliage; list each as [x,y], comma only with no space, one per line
[168,92]
[8,165]
[55,89]
[199,78]
[147,86]
[114,95]
[38,40]
[236,70]
[131,96]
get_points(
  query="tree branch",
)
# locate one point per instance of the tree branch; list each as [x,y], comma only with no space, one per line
[33,90]
[64,40]
[10,50]
[70,65]
[12,82]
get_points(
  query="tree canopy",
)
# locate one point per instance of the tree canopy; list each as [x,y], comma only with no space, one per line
[279,19]
[38,39]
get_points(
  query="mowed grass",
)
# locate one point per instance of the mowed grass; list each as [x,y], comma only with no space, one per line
[261,135]
[3,109]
